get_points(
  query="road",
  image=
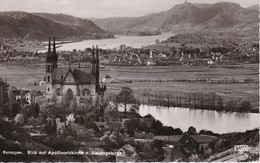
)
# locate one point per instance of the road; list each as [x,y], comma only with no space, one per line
[167,154]
[232,157]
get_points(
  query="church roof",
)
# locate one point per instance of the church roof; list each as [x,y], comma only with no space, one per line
[76,75]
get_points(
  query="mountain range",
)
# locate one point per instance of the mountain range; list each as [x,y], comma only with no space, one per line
[42,25]
[187,16]
[15,24]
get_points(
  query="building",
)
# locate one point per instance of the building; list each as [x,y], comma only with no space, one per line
[144,137]
[19,95]
[73,83]
[126,154]
[190,144]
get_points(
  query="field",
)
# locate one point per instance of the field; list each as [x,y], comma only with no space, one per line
[225,81]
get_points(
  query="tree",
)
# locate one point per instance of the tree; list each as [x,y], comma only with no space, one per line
[74,105]
[192,131]
[70,119]
[19,119]
[50,127]
[244,106]
[126,96]
[147,149]
[178,131]
[26,110]
[220,104]
[1,96]
[85,134]
[11,100]
[36,110]
[15,109]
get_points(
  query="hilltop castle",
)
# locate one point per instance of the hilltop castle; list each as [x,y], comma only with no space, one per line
[77,84]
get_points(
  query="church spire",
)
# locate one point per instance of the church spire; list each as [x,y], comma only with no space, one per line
[93,53]
[48,56]
[49,47]
[54,55]
[99,90]
[97,66]
[54,46]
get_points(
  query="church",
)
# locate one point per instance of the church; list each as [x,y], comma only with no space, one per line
[74,83]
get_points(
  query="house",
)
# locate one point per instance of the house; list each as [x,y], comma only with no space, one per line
[33,96]
[204,140]
[41,82]
[100,125]
[128,115]
[115,126]
[135,58]
[172,139]
[188,143]
[19,94]
[176,155]
[134,109]
[108,79]
[143,137]
[150,63]
[126,154]
[60,126]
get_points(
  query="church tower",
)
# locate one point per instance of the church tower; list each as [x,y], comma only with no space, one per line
[93,75]
[97,70]
[51,64]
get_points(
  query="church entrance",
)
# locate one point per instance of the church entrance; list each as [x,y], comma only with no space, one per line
[70,94]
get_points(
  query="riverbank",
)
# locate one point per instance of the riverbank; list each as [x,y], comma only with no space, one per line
[217,122]
[196,101]
[165,85]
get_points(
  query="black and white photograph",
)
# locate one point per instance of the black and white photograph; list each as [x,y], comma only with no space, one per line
[129,81]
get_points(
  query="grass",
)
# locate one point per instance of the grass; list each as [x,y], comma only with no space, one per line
[154,79]
[151,76]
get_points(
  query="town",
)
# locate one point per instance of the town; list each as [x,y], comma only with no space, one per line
[205,48]
[129,81]
[89,120]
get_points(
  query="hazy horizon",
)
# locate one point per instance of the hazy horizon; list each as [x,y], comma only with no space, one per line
[103,8]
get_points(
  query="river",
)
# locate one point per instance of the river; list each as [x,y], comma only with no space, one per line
[132,41]
[218,122]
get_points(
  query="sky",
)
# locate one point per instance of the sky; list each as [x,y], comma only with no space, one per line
[103,8]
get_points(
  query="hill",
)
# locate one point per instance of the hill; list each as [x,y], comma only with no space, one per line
[254,7]
[40,26]
[229,140]
[185,15]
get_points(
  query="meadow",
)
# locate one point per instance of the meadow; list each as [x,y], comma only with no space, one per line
[229,82]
